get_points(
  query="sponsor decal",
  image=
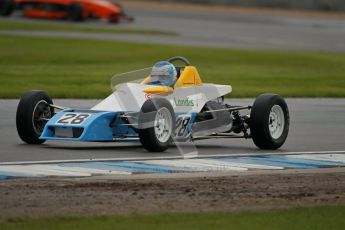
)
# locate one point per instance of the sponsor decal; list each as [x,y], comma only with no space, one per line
[183,102]
[148,96]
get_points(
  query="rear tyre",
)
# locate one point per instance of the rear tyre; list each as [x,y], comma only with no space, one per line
[32,114]
[6,7]
[75,13]
[269,121]
[156,124]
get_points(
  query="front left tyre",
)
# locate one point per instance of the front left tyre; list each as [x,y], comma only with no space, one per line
[6,7]
[33,112]
[156,124]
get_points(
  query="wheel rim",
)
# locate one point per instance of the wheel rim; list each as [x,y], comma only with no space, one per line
[276,121]
[163,125]
[40,116]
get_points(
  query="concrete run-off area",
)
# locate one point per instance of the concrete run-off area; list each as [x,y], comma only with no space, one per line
[162,194]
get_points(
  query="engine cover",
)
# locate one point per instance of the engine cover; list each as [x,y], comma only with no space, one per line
[212,122]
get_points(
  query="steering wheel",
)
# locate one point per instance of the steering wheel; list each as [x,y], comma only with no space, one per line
[179,58]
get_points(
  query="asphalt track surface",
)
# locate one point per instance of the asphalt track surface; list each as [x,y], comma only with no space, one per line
[211,29]
[316,125]
[245,30]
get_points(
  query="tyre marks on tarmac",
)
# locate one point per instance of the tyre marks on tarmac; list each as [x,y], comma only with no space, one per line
[192,165]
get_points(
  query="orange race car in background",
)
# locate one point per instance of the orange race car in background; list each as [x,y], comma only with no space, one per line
[73,10]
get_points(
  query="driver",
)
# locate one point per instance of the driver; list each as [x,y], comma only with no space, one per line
[163,73]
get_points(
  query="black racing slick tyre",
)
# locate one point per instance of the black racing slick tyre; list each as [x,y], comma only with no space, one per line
[33,112]
[156,124]
[269,121]
[75,13]
[6,7]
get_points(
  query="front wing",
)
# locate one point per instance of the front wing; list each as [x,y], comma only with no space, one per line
[80,125]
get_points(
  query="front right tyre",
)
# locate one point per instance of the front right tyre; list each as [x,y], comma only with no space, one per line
[75,12]
[269,121]
[33,112]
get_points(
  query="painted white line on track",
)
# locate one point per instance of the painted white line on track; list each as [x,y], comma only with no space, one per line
[56,170]
[209,164]
[86,170]
[38,171]
[194,165]
[167,157]
[237,164]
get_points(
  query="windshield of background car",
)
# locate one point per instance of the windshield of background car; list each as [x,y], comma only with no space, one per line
[136,76]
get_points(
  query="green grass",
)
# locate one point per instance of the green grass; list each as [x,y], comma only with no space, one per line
[69,27]
[331,218]
[72,68]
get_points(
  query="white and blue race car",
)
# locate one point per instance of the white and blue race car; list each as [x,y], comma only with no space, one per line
[156,115]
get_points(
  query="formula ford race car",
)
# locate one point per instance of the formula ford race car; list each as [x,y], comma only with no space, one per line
[73,10]
[156,115]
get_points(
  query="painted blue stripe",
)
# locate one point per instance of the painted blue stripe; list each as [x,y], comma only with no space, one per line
[323,163]
[96,165]
[144,167]
[124,166]
[14,174]
[171,169]
[3,177]
[317,163]
[283,161]
[268,162]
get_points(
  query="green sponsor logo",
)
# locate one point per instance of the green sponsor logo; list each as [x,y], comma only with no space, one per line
[183,102]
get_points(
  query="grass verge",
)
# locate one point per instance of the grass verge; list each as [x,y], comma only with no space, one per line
[74,27]
[75,68]
[302,218]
